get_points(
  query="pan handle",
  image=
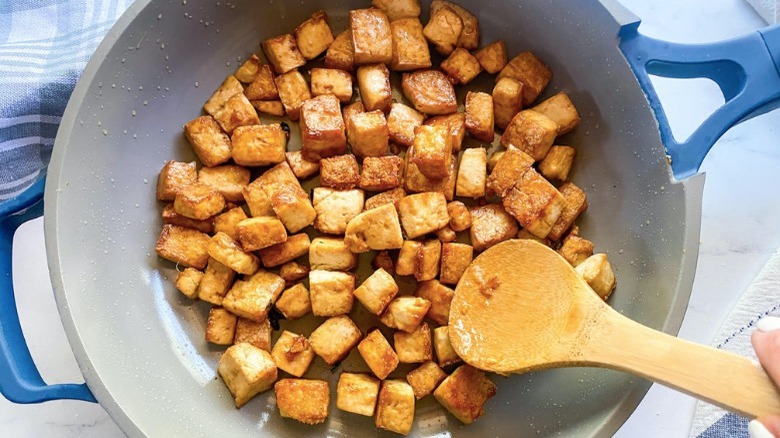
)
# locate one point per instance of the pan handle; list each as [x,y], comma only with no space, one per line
[20,381]
[745,69]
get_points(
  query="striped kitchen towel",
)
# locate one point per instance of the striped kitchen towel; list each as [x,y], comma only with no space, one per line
[44,46]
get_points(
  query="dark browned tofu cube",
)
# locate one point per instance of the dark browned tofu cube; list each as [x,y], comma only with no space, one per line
[313,36]
[425,378]
[389,197]
[198,201]
[301,167]
[428,259]
[491,224]
[255,333]
[461,66]
[507,101]
[378,354]
[183,246]
[292,272]
[557,163]
[248,70]
[271,107]
[175,176]
[443,29]
[263,86]
[331,81]
[439,295]
[304,400]
[531,132]
[259,145]
[374,84]
[210,144]
[288,199]
[479,116]
[407,257]
[469,36]
[416,182]
[282,51]
[238,111]
[372,38]
[492,57]
[368,134]
[228,252]
[575,249]
[322,128]
[430,92]
[560,109]
[260,232]
[432,150]
[457,125]
[455,258]
[508,170]
[531,72]
[340,172]
[465,392]
[575,203]
[381,173]
[460,218]
[410,49]
[341,54]
[401,123]
[281,253]
[535,203]
[293,91]
[398,9]
[220,326]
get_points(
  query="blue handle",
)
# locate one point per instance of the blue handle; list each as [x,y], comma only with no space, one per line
[20,381]
[745,69]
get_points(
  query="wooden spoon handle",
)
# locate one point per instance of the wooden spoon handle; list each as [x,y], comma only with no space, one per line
[724,379]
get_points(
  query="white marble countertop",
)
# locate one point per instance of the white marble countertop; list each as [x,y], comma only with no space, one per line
[739,233]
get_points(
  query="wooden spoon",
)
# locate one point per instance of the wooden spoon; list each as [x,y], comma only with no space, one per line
[521,307]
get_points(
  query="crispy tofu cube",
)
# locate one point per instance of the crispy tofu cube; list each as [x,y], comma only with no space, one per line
[531,132]
[184,246]
[531,72]
[425,378]
[377,291]
[440,297]
[423,213]
[238,111]
[292,353]
[525,234]
[334,338]
[405,313]
[469,36]
[288,200]
[294,302]
[325,81]
[220,326]
[259,145]
[252,297]
[575,203]
[456,123]
[255,333]
[416,182]
[472,174]
[304,400]
[395,408]
[257,200]
[210,144]
[493,160]
[414,347]
[335,208]
[381,173]
[491,224]
[465,392]
[401,123]
[410,49]
[460,217]
[479,116]
[260,232]
[247,371]
[443,29]
[302,168]
[357,393]
[175,176]
[322,128]
[229,87]
[446,234]
[371,36]
[271,107]
[281,253]
[398,9]
[493,57]
[430,92]
[575,249]
[331,254]
[228,180]
[368,134]
[216,282]
[378,354]
[461,66]
[432,150]
[263,87]
[228,252]
[350,110]
[170,216]
[560,110]
[374,229]
[292,272]
[340,172]
[248,70]
[293,91]
[557,163]
[341,54]
[427,262]
[332,293]
[187,282]
[282,52]
[507,101]
[407,257]
[445,354]
[535,203]
[455,258]
[509,169]
[389,197]
[382,260]
[313,36]
[597,272]
[374,85]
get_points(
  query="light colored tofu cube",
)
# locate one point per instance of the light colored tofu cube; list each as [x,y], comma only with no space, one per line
[461,66]
[535,203]
[395,407]
[560,110]
[378,354]
[228,180]
[335,208]
[334,338]
[270,107]
[216,282]
[248,70]
[282,52]
[575,249]
[341,54]
[371,36]
[479,116]
[255,333]
[491,224]
[383,260]
[368,134]
[531,72]
[210,144]
[492,57]
[472,174]
[292,353]
[325,81]
[281,253]
[597,272]
[331,254]
[465,392]
[428,259]
[247,371]
[350,110]
[507,101]
[260,232]
[340,172]
[293,91]
[425,378]
[263,86]
[557,163]
[288,199]
[301,167]
[398,9]
[170,216]
[410,49]
[405,313]
[509,169]
[229,88]
[381,173]
[228,252]
[430,92]
[457,125]
[469,36]
[377,291]
[252,297]
[389,197]
[446,234]
[432,150]
[443,29]
[423,213]
[259,145]
[238,111]
[460,217]
[440,297]
[455,258]
[445,354]
[575,203]
[407,257]
[375,229]
[294,302]
[322,128]
[414,347]
[257,200]
[332,293]
[401,123]
[525,234]
[531,132]
[374,85]
[304,400]
[313,36]
[357,393]
[186,247]
[175,176]
[220,326]
[292,272]
[416,182]
[187,282]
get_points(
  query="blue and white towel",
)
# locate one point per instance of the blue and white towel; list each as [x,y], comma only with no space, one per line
[44,46]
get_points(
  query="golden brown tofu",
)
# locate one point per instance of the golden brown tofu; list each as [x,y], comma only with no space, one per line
[531,72]
[292,272]
[175,176]
[575,249]
[294,302]
[410,49]
[509,169]
[455,258]
[439,295]
[531,132]
[472,173]
[525,234]
[372,39]
[247,371]
[260,232]
[257,200]
[255,333]
[479,116]
[350,110]
[238,111]
[461,66]
[375,229]
[331,81]
[252,297]
[341,54]
[597,272]
[334,338]
[210,144]
[465,392]
[263,86]
[228,180]
[389,197]
[220,326]
[425,378]
[259,145]
[414,347]
[304,400]
[469,36]
[397,9]
[457,125]
[229,87]
[381,173]
[368,134]
[248,70]
[535,203]
[560,110]
[357,393]
[340,172]
[460,218]
[378,354]
[395,408]
[557,163]
[228,252]
[282,52]
[445,354]
[302,168]
[446,234]
[405,313]
[430,92]
[322,128]
[401,123]
[374,85]
[493,160]
[313,36]
[187,282]
[407,257]
[271,107]
[443,29]
[288,199]
[281,253]
[492,57]
[335,208]
[383,260]
[216,282]
[423,213]
[432,150]
[198,201]
[491,224]
[292,353]
[507,101]
[170,216]
[331,293]
[416,182]
[428,259]
[184,246]
[331,254]
[377,291]
[575,203]
[227,221]
[293,91]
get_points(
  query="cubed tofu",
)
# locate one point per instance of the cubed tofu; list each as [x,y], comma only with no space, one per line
[443,29]
[357,393]
[414,347]
[313,36]
[440,297]
[509,169]
[405,313]
[175,176]
[469,36]
[288,199]
[493,160]
[229,180]
[378,354]
[335,208]
[294,302]
[259,145]
[560,110]
[531,132]
[331,254]
[255,333]
[460,217]
[472,174]
[238,111]
[340,172]
[461,66]
[457,125]
[423,213]
[395,407]
[401,123]
[248,70]
[322,128]
[557,163]
[524,234]
[407,257]
[428,259]
[292,272]
[465,392]
[425,378]
[247,371]
[507,101]
[432,150]
[293,91]
[257,200]
[416,182]
[491,224]
[479,116]
[210,144]
[281,253]
[535,203]
[325,81]
[220,326]
[430,92]
[375,229]
[575,203]
[228,252]
[304,400]
[252,297]
[170,216]
[185,247]
[229,88]
[260,232]
[383,260]
[332,293]
[368,134]
[389,197]
[301,167]
[341,54]
[492,57]
[377,291]
[350,110]
[397,9]
[374,85]
[216,282]
[531,72]
[282,52]
[381,173]
[446,234]
[597,272]
[270,107]
[263,86]
[455,258]
[445,354]
[292,353]
[410,49]
[575,249]
[187,282]
[334,338]
[372,38]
